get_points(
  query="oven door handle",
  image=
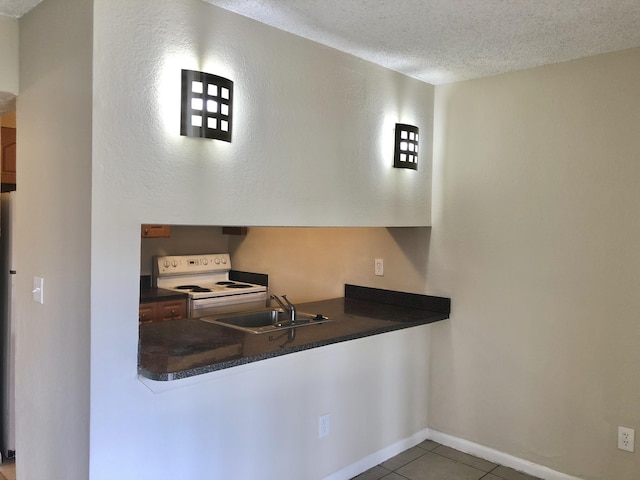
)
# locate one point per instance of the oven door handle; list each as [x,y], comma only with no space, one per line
[202,303]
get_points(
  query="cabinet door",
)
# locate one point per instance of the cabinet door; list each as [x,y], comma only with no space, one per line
[8,155]
[172,310]
[147,312]
[156,231]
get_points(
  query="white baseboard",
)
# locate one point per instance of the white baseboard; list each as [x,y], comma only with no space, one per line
[460,444]
[378,457]
[498,457]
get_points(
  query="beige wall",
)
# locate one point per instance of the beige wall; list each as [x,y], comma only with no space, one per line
[536,234]
[309,263]
[315,263]
[53,227]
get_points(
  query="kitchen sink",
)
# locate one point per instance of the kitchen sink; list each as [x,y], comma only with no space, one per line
[266,320]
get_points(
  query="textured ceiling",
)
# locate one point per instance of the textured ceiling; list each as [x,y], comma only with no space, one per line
[16,8]
[7,102]
[441,41]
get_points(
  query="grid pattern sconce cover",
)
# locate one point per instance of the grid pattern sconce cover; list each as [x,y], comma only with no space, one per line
[207,106]
[406,152]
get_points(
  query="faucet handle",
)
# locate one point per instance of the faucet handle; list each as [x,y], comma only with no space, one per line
[292,308]
[279,302]
[288,302]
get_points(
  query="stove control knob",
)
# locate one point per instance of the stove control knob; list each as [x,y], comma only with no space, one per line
[174,263]
[217,260]
[224,260]
[166,264]
[205,261]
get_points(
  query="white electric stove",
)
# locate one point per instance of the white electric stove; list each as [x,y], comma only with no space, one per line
[205,279]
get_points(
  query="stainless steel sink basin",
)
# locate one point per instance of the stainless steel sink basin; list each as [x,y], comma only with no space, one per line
[265,321]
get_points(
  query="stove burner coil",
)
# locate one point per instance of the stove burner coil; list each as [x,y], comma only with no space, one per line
[239,285]
[193,288]
[225,283]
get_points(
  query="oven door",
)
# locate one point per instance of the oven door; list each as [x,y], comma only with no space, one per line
[204,307]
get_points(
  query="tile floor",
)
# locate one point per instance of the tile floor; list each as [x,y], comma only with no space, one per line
[432,461]
[426,461]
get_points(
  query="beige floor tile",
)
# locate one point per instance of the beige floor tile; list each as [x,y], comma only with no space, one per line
[465,458]
[375,473]
[435,467]
[507,473]
[403,458]
[394,476]
[428,445]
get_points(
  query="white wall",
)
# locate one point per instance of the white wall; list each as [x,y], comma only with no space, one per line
[53,241]
[312,161]
[261,420]
[313,127]
[535,237]
[9,55]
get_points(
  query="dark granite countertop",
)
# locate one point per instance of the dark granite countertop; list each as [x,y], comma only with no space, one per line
[184,348]
[150,294]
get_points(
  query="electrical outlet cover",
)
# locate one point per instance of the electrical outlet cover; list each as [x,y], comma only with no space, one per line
[379,267]
[626,439]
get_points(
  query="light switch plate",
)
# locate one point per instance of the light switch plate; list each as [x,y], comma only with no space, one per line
[324,423]
[38,289]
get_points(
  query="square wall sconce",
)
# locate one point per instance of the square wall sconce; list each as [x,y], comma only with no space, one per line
[207,106]
[406,153]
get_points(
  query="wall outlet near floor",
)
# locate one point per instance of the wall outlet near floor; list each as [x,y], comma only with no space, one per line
[323,425]
[379,267]
[626,439]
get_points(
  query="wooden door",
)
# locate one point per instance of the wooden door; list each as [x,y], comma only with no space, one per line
[8,155]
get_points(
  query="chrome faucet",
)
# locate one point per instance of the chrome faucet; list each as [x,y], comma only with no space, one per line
[289,307]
